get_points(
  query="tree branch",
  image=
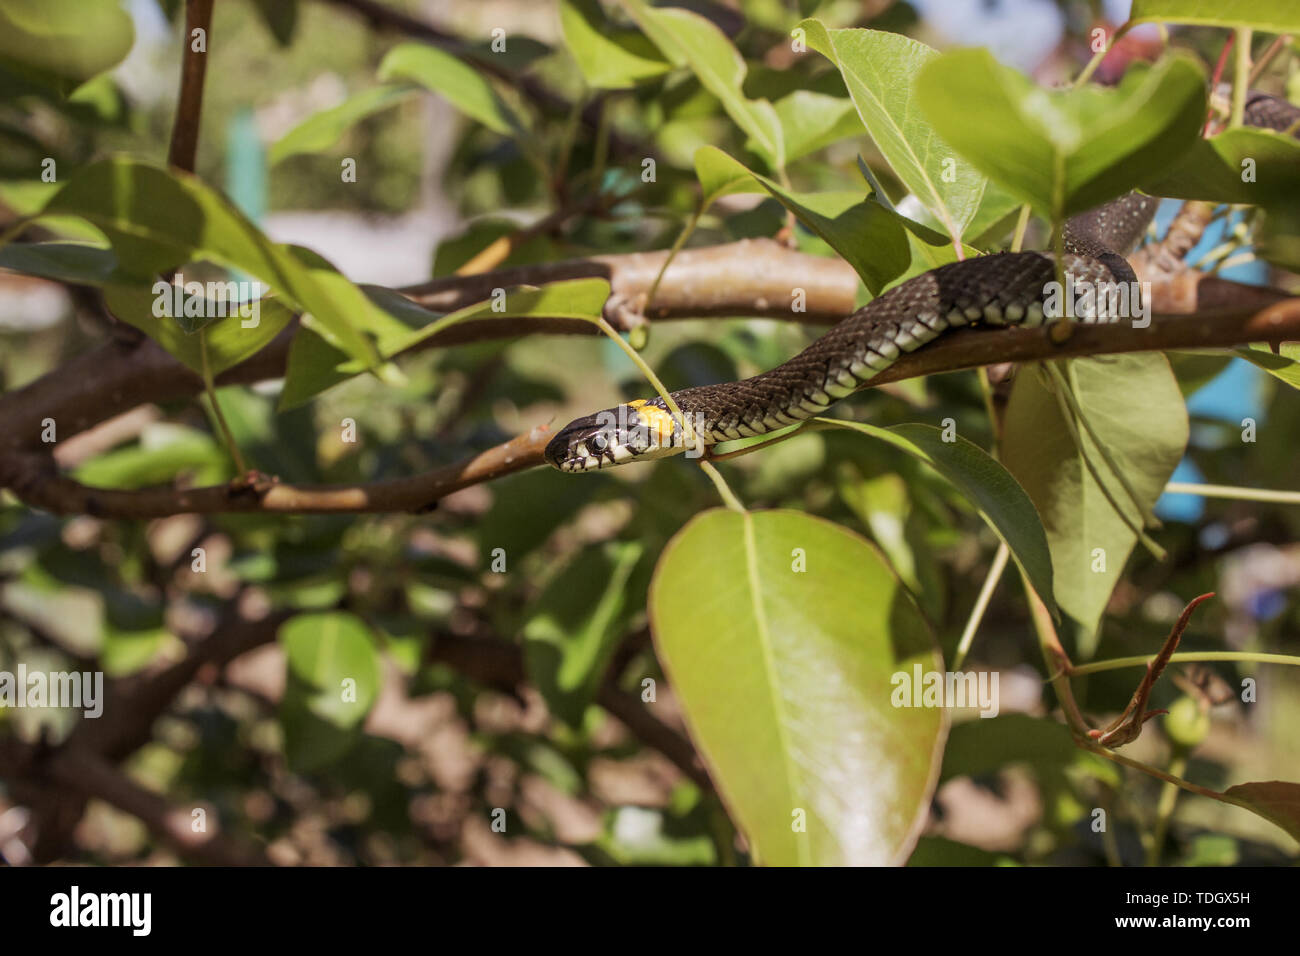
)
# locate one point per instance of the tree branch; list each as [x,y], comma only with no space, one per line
[189,105]
[34,479]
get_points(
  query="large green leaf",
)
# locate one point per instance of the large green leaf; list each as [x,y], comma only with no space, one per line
[1134,404]
[786,678]
[880,71]
[689,40]
[1274,16]
[464,87]
[1063,151]
[575,625]
[1237,166]
[63,43]
[881,245]
[986,484]
[333,680]
[159,219]
[609,58]
[322,130]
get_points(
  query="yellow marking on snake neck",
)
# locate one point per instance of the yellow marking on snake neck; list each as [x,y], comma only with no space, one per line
[658,420]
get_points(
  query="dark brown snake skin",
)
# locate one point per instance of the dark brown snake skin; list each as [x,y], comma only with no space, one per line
[1001,289]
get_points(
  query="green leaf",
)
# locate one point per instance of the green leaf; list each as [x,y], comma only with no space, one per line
[165,452]
[609,58]
[786,679]
[646,836]
[688,39]
[333,680]
[575,626]
[979,747]
[63,43]
[937,851]
[125,652]
[1237,166]
[229,342]
[1277,238]
[315,364]
[1283,365]
[27,197]
[881,245]
[461,85]
[321,131]
[1063,151]
[1195,370]
[880,70]
[280,17]
[77,262]
[1134,404]
[1001,502]
[882,504]
[1274,800]
[159,219]
[811,120]
[1272,16]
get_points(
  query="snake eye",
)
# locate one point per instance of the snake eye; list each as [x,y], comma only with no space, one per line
[597,443]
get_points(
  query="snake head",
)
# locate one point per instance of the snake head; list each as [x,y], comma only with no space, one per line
[638,431]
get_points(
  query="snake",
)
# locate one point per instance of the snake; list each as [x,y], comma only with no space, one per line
[1000,289]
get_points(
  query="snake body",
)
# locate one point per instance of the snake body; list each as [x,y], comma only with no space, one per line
[996,290]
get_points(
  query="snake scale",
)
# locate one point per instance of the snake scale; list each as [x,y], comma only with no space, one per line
[1007,288]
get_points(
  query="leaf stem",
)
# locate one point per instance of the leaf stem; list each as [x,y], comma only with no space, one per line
[685,234]
[209,386]
[1022,224]
[1100,55]
[1233,492]
[1241,77]
[1185,657]
[981,604]
[728,496]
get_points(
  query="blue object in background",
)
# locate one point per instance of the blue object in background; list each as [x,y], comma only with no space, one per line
[245,171]
[246,165]
[1179,507]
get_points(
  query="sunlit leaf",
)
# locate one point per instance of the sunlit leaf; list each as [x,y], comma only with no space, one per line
[1275,16]
[609,58]
[880,71]
[322,130]
[1134,404]
[1064,151]
[786,671]
[63,43]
